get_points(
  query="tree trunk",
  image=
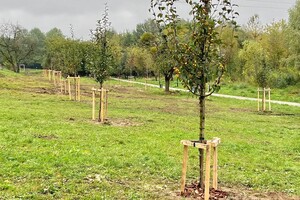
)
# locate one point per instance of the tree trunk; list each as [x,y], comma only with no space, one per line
[167,83]
[16,68]
[202,132]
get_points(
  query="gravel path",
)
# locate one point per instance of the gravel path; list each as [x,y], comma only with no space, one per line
[216,95]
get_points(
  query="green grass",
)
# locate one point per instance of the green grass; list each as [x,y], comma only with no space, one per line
[290,94]
[50,148]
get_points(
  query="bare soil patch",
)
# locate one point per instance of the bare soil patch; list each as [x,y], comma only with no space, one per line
[46,137]
[119,122]
[192,191]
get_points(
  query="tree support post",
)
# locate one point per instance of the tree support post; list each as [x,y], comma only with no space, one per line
[49,75]
[78,88]
[93,104]
[215,166]
[210,144]
[65,83]
[269,93]
[61,87]
[258,99]
[54,74]
[45,72]
[103,110]
[263,100]
[59,78]
[69,88]
[76,82]
[102,105]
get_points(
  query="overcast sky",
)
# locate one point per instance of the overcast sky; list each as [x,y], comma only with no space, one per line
[124,14]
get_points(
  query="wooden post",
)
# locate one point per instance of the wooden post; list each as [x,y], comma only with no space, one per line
[184,168]
[53,75]
[61,87]
[106,103]
[69,87]
[269,99]
[207,172]
[102,104]
[78,88]
[49,75]
[258,99]
[65,83]
[93,104]
[264,99]
[60,77]
[75,87]
[210,143]
[215,168]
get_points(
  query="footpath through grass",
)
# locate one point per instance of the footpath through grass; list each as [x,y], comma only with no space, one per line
[289,94]
[50,148]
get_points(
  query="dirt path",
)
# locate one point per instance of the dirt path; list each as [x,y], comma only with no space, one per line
[216,95]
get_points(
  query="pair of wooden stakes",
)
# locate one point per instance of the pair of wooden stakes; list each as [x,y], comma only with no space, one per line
[263,99]
[103,105]
[53,75]
[209,146]
[66,87]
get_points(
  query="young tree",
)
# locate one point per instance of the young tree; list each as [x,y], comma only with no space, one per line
[54,52]
[294,25]
[230,51]
[101,60]
[40,49]
[198,56]
[72,52]
[163,49]
[254,27]
[255,62]
[139,61]
[275,42]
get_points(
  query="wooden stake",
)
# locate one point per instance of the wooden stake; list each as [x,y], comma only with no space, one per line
[93,104]
[264,99]
[102,104]
[78,88]
[65,82]
[60,77]
[49,75]
[215,168]
[53,75]
[258,99]
[207,172]
[69,87]
[106,103]
[269,99]
[61,88]
[184,168]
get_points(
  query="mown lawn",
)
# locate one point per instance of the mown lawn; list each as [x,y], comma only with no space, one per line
[50,148]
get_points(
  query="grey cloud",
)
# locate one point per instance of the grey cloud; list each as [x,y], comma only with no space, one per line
[124,14]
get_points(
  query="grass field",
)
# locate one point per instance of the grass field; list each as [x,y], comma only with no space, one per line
[50,148]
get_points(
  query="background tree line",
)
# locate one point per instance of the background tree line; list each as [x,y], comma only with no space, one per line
[264,55]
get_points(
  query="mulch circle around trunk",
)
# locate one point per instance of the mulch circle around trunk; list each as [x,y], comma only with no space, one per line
[193,191]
